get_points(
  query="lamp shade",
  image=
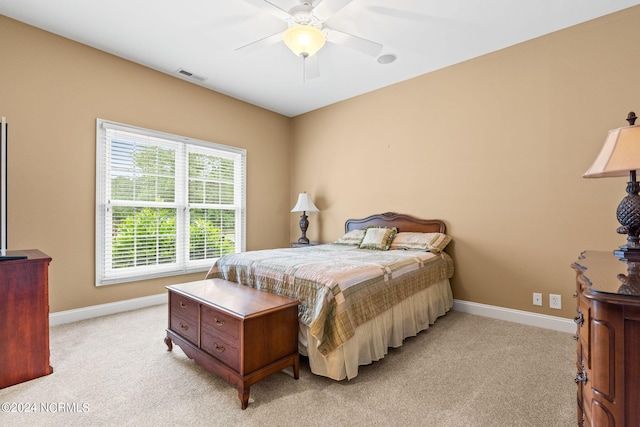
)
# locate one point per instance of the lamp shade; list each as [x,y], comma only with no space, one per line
[305,204]
[304,40]
[620,154]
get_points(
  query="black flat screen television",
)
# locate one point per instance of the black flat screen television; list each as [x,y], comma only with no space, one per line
[4,164]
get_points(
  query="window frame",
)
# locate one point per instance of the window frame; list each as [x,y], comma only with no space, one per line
[104,273]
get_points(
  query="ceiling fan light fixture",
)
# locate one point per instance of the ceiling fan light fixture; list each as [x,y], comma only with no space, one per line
[304,40]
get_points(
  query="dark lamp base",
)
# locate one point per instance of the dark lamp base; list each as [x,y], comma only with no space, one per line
[627,255]
[304,224]
[628,214]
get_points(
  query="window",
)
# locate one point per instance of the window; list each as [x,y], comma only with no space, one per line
[165,204]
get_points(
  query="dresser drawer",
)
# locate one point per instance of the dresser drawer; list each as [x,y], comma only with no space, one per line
[184,327]
[220,324]
[184,307]
[224,350]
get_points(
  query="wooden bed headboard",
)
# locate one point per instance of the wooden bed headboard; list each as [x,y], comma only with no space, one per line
[404,223]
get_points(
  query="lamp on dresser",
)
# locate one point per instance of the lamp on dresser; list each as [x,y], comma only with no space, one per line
[304,205]
[620,156]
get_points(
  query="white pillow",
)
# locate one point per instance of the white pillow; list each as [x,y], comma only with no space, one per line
[353,238]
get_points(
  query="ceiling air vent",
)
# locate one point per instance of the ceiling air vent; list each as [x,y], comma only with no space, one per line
[191,75]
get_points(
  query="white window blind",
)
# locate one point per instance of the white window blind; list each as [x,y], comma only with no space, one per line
[165,204]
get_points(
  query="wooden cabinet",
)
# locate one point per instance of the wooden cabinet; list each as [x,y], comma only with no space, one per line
[239,333]
[24,318]
[608,340]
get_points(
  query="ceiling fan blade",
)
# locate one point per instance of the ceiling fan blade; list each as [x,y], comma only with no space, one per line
[270,7]
[311,67]
[259,44]
[326,8]
[354,42]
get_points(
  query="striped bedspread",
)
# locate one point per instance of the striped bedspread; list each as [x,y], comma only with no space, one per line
[339,287]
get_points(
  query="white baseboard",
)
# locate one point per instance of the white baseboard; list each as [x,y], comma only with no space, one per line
[495,312]
[68,316]
[518,316]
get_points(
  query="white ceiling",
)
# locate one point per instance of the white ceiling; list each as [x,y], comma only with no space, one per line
[201,36]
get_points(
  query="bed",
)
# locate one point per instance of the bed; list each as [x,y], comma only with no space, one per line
[385,279]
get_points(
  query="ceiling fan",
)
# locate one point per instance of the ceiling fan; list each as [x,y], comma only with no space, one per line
[307,33]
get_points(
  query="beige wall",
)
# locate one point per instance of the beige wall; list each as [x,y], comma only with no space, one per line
[52,90]
[496,147]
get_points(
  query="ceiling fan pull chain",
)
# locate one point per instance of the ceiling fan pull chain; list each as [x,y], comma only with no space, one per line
[304,66]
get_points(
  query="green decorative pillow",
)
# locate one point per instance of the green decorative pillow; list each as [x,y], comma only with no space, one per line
[353,238]
[378,238]
[433,242]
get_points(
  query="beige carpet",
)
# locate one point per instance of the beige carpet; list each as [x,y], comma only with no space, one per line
[465,370]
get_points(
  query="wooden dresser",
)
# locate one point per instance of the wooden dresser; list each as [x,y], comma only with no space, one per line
[608,337]
[24,317]
[239,333]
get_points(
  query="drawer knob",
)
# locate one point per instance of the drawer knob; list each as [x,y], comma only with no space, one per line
[183,326]
[575,337]
[183,305]
[218,321]
[579,319]
[581,377]
[218,347]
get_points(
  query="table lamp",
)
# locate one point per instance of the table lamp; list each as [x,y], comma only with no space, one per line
[620,156]
[304,205]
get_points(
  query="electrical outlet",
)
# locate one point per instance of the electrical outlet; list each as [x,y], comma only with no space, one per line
[537,298]
[555,301]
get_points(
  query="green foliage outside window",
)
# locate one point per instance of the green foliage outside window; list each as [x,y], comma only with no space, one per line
[144,236]
[148,235]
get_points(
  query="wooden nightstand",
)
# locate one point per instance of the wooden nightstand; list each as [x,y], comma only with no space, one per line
[240,333]
[303,245]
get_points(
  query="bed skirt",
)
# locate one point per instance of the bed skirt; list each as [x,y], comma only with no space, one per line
[373,339]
